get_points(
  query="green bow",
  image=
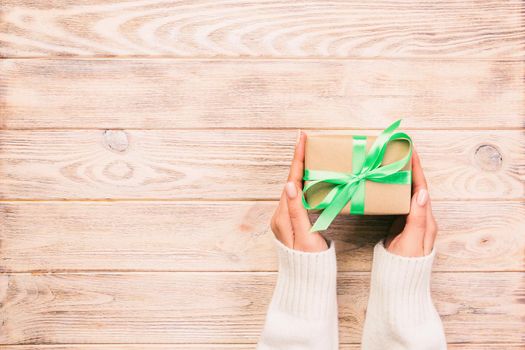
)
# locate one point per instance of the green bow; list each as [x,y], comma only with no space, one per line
[352,185]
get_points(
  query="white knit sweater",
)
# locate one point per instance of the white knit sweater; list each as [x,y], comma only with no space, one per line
[303,311]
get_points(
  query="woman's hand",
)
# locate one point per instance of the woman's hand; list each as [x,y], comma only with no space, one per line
[290,222]
[420,229]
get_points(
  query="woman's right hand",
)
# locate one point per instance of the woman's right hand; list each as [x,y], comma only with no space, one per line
[290,222]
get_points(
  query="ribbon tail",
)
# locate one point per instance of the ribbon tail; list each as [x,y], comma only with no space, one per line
[330,212]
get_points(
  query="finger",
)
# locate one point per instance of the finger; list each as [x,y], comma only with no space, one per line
[304,240]
[297,167]
[281,224]
[416,225]
[298,216]
[431,230]
[418,177]
[282,207]
[420,183]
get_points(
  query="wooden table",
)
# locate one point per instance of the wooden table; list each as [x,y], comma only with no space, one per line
[144,145]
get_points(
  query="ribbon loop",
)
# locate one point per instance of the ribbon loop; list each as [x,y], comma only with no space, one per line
[350,187]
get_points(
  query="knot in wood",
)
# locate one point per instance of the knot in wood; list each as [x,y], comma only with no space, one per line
[116,140]
[488,158]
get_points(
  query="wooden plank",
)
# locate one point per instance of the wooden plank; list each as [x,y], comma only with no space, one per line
[225,164]
[165,236]
[141,347]
[260,94]
[253,28]
[226,307]
[489,346]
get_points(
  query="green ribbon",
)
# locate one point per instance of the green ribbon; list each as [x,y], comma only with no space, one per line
[351,186]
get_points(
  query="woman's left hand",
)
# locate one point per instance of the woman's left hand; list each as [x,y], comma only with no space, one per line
[414,235]
[290,222]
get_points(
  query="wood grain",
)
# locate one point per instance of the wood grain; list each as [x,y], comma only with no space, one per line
[500,346]
[165,236]
[224,164]
[470,29]
[226,307]
[260,94]
[124,120]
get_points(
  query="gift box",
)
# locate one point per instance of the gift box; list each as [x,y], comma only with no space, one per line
[356,174]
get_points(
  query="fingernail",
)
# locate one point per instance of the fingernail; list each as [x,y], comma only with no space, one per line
[298,136]
[422,197]
[291,190]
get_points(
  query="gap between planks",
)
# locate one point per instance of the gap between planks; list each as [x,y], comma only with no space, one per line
[481,128]
[262,58]
[204,201]
[196,272]
[131,345]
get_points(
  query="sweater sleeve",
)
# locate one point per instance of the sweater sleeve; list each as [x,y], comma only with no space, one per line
[303,311]
[400,313]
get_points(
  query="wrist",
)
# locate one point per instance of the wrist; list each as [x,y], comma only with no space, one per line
[315,243]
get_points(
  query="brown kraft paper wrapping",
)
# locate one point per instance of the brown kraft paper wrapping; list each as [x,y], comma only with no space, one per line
[334,153]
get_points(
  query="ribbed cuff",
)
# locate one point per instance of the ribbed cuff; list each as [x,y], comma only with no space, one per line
[306,284]
[400,287]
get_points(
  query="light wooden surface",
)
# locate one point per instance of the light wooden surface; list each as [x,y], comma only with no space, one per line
[254,28]
[143,145]
[174,93]
[177,306]
[164,236]
[240,164]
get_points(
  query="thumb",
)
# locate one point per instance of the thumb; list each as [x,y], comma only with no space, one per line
[303,239]
[416,223]
[298,215]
